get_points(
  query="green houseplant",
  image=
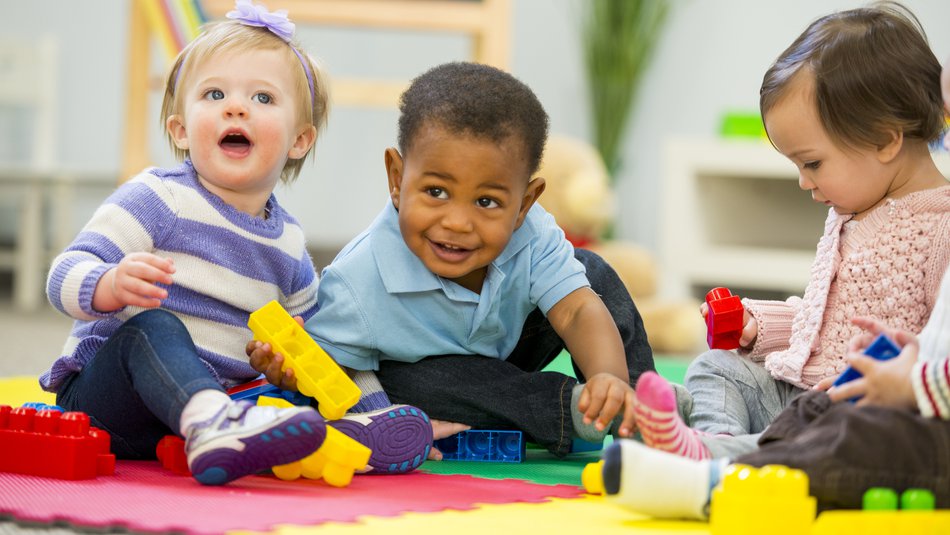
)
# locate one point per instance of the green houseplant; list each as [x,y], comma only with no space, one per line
[618,37]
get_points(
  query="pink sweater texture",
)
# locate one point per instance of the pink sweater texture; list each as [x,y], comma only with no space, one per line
[887,266]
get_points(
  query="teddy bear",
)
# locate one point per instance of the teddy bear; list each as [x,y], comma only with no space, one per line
[579,196]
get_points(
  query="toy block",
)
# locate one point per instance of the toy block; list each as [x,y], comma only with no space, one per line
[318,376]
[171,453]
[251,390]
[773,499]
[882,522]
[40,406]
[723,319]
[483,446]
[882,348]
[53,444]
[885,499]
[582,446]
[335,461]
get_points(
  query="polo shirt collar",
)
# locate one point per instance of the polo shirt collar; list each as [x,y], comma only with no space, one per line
[401,270]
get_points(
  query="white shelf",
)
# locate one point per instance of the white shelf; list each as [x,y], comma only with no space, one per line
[733,215]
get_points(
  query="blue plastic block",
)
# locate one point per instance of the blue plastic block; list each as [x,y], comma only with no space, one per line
[485,446]
[40,406]
[580,446]
[881,348]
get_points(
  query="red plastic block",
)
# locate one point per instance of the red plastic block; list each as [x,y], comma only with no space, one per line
[49,443]
[724,319]
[171,453]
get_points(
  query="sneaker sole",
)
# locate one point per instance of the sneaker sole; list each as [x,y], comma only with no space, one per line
[284,442]
[399,437]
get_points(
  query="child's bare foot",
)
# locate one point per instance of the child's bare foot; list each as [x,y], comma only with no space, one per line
[442,429]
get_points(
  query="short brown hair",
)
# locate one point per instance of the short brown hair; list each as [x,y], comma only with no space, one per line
[874,73]
[230,36]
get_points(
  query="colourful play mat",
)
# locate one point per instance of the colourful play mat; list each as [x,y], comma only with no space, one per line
[541,495]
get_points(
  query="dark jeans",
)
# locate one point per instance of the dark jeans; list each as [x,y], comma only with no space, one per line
[138,383]
[488,393]
[845,450]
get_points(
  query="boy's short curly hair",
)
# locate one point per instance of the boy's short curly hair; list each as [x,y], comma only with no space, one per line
[478,100]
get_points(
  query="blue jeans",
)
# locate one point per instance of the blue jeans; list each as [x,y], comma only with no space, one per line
[137,384]
[734,398]
[489,393]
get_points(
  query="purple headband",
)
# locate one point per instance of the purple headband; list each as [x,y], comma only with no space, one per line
[277,23]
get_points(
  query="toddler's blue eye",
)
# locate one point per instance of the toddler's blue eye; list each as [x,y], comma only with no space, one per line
[263,98]
[214,94]
[812,165]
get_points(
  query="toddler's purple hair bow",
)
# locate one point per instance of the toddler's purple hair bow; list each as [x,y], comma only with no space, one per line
[277,23]
[257,15]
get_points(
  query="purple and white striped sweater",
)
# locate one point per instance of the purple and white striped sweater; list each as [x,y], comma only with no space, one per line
[228,264]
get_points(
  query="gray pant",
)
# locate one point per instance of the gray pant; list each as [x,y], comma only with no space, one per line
[733,399]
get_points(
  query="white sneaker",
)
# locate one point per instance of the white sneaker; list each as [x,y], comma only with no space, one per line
[243,439]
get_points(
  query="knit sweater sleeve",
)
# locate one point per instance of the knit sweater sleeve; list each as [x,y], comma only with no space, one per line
[931,380]
[127,221]
[774,325]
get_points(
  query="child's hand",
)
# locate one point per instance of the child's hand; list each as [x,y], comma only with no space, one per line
[825,384]
[133,283]
[603,397]
[883,383]
[750,327]
[442,429]
[264,360]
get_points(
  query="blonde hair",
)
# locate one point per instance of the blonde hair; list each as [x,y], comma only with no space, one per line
[233,36]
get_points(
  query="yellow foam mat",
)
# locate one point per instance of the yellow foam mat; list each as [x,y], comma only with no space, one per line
[16,391]
[589,514]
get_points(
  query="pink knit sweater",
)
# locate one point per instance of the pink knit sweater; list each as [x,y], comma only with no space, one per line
[887,265]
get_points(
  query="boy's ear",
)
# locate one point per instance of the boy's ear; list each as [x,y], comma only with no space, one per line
[302,144]
[394,174]
[887,152]
[176,130]
[531,194]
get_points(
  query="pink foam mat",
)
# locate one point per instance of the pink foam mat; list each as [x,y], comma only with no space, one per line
[144,497]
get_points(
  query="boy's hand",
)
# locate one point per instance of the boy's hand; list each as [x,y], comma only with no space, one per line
[264,360]
[603,397]
[442,429]
[133,283]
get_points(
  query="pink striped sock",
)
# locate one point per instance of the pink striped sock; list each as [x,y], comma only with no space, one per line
[660,423]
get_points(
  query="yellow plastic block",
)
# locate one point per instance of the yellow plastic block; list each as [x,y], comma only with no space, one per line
[335,461]
[773,499]
[883,522]
[318,376]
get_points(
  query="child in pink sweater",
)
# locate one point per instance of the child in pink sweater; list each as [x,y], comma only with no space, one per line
[853,103]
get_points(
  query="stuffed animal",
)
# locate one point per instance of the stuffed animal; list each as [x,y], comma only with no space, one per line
[579,196]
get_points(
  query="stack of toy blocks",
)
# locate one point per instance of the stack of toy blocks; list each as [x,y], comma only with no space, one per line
[723,319]
[880,515]
[50,443]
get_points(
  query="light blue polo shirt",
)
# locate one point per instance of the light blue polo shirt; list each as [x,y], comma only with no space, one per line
[379,302]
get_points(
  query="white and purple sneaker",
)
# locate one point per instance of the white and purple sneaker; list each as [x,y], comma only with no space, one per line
[243,439]
[400,437]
